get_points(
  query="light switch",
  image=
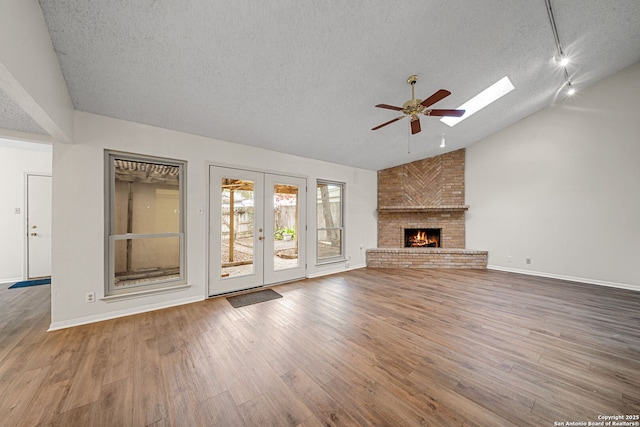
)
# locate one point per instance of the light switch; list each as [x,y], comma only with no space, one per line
[16,211]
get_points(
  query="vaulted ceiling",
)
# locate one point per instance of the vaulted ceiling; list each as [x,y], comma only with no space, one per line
[302,77]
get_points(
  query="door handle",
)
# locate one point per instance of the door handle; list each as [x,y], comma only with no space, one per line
[261,238]
[34,234]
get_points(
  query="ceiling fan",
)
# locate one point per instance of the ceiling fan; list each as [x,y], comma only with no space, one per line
[414,106]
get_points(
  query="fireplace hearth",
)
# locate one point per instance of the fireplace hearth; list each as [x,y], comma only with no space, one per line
[422,237]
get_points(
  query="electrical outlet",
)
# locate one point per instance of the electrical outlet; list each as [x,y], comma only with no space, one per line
[90,297]
[528,260]
[509,258]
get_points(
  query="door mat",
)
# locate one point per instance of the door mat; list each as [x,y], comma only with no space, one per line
[243,300]
[26,283]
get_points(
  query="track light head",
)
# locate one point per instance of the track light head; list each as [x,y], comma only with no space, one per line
[562,60]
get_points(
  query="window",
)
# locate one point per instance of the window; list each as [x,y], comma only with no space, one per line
[145,223]
[329,214]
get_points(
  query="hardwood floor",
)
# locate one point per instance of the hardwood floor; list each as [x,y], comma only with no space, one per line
[366,347]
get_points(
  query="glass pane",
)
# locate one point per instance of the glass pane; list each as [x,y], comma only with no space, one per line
[285,242]
[147,197]
[329,205]
[329,243]
[237,227]
[144,261]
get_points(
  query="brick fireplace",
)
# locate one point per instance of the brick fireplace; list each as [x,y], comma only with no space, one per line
[426,194]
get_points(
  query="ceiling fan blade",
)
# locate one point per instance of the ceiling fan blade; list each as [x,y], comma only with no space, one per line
[439,95]
[448,113]
[389,107]
[389,122]
[415,125]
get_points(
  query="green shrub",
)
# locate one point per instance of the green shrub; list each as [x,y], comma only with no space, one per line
[284,230]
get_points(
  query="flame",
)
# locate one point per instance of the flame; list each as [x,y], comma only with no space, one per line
[421,239]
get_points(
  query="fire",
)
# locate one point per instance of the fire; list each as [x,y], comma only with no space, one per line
[421,239]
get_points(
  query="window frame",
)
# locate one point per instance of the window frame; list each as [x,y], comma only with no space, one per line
[111,237]
[342,256]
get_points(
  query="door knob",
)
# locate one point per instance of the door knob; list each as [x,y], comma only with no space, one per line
[34,234]
[261,238]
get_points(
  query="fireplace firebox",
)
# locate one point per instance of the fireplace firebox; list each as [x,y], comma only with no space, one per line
[422,237]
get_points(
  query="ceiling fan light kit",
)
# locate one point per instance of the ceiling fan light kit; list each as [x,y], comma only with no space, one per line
[413,107]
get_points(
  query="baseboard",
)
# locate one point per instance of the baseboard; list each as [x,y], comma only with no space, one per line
[569,278]
[10,281]
[121,313]
[335,270]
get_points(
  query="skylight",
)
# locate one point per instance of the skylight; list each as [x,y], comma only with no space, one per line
[481,100]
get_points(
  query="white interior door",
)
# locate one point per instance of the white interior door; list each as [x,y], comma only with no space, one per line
[256,229]
[38,226]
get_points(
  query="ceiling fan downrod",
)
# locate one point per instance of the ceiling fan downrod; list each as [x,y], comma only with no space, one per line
[412,81]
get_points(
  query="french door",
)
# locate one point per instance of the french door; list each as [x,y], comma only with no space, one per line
[256,229]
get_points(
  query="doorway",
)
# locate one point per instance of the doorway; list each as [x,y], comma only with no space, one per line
[257,227]
[38,226]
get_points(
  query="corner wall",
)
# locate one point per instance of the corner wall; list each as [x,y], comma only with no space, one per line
[561,188]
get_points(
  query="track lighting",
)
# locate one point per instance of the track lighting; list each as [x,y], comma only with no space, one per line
[560,57]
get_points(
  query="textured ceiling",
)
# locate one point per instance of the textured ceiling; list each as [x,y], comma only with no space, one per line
[302,77]
[13,117]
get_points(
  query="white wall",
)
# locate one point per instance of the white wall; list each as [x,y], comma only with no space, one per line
[562,187]
[78,218]
[29,70]
[16,159]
